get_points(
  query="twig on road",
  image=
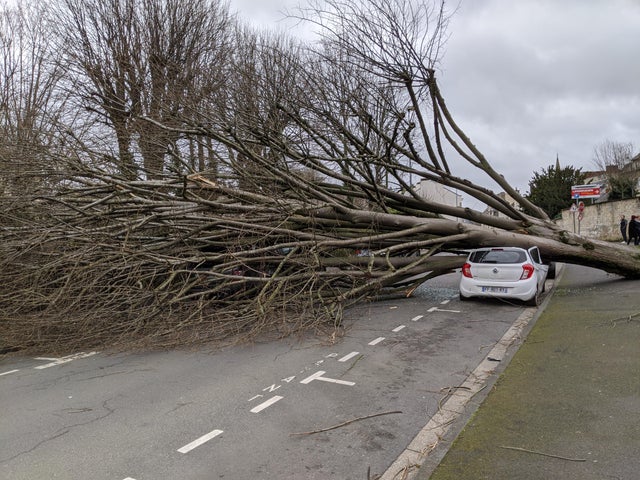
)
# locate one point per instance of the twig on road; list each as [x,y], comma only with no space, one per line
[358,358]
[344,423]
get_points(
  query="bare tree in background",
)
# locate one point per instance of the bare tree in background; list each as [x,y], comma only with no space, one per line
[31,104]
[154,58]
[265,70]
[308,172]
[614,159]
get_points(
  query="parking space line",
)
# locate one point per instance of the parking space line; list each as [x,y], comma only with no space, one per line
[196,443]
[376,341]
[266,404]
[10,371]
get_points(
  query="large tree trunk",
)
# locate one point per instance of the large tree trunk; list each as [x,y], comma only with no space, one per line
[124,264]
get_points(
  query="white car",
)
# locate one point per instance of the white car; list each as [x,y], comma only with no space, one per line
[504,272]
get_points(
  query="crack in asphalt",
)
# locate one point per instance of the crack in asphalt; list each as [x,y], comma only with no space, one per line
[66,430]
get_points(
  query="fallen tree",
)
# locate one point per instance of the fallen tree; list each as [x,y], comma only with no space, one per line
[311,207]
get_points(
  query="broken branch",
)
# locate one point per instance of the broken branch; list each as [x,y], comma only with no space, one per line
[344,423]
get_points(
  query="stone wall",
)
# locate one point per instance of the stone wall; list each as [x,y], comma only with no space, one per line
[601,220]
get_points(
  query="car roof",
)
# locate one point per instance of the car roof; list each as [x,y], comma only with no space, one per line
[497,248]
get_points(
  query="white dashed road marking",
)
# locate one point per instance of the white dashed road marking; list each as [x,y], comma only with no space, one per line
[7,373]
[196,443]
[266,404]
[416,318]
[376,341]
[348,356]
[398,328]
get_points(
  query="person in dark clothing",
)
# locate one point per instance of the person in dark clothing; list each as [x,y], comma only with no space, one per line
[634,230]
[623,228]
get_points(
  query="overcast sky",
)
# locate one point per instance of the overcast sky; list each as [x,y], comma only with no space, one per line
[531,79]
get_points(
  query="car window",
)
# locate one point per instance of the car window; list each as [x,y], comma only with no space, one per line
[498,256]
[535,255]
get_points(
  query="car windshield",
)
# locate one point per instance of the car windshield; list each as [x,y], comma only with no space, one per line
[498,256]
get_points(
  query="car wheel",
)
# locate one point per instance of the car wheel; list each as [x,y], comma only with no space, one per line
[463,298]
[552,270]
[534,301]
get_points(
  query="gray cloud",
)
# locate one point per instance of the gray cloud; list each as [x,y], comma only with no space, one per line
[531,79]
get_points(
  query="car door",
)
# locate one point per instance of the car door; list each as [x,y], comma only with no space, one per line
[540,268]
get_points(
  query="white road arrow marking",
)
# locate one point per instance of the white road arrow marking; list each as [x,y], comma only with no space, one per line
[318,376]
[62,360]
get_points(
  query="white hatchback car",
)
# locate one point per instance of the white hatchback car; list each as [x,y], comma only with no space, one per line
[504,272]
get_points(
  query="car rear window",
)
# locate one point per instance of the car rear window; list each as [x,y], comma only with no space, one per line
[498,256]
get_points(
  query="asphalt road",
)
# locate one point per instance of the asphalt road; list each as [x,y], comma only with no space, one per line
[290,409]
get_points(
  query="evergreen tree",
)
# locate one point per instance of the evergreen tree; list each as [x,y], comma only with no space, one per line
[550,189]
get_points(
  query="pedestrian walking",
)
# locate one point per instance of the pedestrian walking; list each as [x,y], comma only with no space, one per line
[623,228]
[634,230]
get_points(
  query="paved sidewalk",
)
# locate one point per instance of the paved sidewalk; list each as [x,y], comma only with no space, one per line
[568,404]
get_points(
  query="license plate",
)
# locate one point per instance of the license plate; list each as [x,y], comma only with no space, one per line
[495,289]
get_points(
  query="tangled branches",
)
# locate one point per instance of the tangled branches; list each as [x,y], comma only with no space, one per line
[123,264]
